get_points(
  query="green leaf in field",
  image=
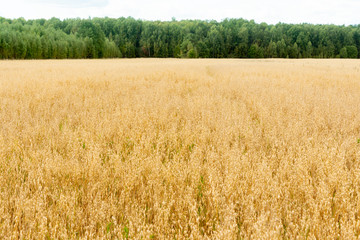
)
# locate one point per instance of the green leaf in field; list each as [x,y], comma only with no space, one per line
[109,227]
[126,232]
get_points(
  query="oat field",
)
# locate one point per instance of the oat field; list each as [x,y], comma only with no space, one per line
[180,149]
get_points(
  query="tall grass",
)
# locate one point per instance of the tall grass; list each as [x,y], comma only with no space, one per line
[180,149]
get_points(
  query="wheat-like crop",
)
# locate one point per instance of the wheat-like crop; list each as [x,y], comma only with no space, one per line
[180,149]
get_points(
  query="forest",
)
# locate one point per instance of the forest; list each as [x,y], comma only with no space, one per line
[131,38]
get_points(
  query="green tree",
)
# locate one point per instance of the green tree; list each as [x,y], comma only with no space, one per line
[203,50]
[111,50]
[216,42]
[255,51]
[309,50]
[272,50]
[351,51]
[88,29]
[281,49]
[343,53]
[294,51]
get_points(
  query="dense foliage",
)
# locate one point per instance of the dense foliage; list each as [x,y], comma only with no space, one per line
[128,37]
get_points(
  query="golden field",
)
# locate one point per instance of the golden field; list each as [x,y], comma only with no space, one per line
[180,149]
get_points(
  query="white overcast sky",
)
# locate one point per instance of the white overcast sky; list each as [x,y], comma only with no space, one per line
[288,11]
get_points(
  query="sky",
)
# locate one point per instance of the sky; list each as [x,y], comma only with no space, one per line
[339,12]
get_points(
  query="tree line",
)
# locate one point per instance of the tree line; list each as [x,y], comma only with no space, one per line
[130,38]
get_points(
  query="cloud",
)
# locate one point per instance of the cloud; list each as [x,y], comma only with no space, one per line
[287,11]
[75,3]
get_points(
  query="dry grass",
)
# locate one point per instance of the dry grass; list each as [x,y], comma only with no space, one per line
[180,149]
